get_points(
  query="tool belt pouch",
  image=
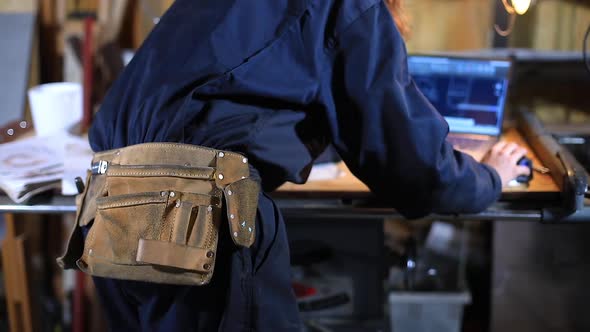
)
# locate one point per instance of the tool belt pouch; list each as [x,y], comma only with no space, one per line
[160,223]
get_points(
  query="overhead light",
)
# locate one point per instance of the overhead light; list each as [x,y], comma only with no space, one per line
[521,6]
[514,8]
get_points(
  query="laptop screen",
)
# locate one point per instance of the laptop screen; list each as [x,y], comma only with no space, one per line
[469,93]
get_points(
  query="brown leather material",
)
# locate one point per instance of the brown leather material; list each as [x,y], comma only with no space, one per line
[76,239]
[95,187]
[184,224]
[121,221]
[155,212]
[204,218]
[231,167]
[111,202]
[175,255]
[241,198]
[74,248]
[123,185]
[155,273]
[161,154]
[203,173]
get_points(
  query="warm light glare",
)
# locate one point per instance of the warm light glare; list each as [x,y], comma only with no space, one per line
[513,8]
[521,6]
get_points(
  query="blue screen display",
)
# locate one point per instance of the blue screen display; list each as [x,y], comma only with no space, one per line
[469,93]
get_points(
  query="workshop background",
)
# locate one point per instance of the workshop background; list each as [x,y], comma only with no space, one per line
[501,276]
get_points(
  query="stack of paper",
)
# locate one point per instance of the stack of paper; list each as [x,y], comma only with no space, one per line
[34,165]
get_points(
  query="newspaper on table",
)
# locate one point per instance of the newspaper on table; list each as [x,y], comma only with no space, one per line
[34,165]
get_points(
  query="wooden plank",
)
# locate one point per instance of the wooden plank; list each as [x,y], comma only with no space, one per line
[18,6]
[350,186]
[21,310]
[347,184]
[541,183]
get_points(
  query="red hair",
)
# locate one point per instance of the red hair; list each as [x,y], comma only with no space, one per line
[396,8]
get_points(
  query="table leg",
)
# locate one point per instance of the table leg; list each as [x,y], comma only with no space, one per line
[21,311]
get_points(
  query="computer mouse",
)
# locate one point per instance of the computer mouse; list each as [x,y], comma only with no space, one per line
[524,161]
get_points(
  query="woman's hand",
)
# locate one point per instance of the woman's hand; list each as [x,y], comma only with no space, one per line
[503,158]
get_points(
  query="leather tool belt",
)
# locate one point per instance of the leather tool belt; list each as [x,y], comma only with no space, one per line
[155,210]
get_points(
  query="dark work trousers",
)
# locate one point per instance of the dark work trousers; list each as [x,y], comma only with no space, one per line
[250,289]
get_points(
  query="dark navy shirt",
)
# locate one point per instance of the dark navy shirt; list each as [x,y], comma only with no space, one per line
[279,80]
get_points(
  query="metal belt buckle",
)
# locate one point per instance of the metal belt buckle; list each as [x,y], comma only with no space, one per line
[99,167]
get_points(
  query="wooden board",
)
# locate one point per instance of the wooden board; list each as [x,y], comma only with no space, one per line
[541,183]
[18,6]
[20,304]
[348,185]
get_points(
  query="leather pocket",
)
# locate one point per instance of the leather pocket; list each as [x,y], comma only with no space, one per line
[75,242]
[121,221]
[156,224]
[241,198]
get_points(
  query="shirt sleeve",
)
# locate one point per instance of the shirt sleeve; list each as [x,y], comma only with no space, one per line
[388,133]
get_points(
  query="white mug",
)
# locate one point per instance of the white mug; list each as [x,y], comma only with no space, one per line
[55,107]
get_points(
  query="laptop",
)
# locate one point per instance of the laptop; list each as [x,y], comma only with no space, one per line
[471,95]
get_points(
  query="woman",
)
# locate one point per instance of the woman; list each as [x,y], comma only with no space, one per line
[277,81]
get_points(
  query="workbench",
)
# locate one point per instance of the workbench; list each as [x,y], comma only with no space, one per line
[557,197]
